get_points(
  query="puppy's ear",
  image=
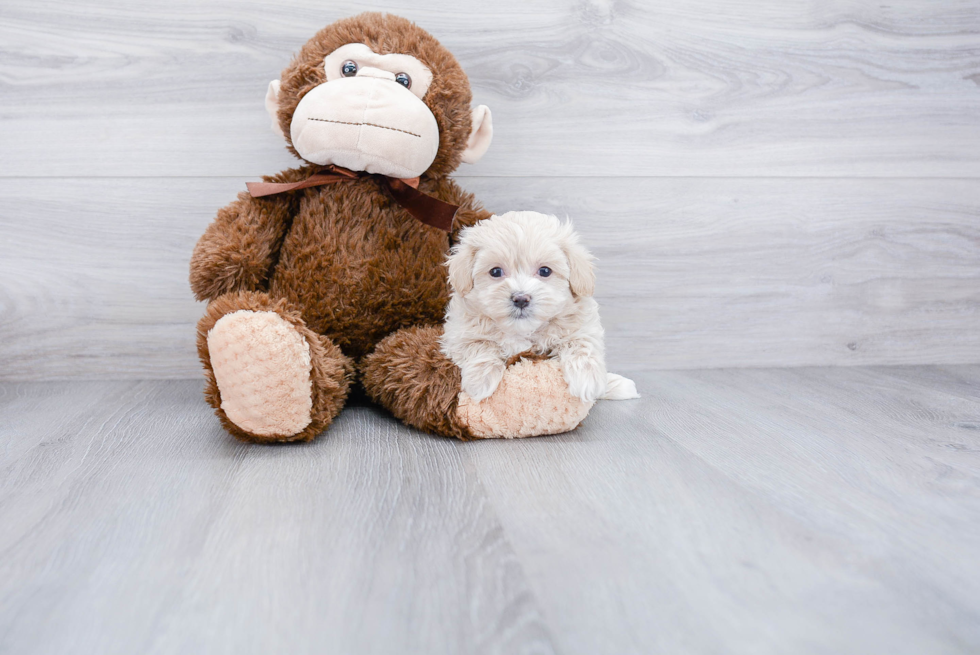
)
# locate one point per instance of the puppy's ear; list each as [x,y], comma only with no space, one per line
[460,263]
[581,276]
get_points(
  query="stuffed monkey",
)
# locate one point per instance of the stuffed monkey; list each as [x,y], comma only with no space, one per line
[332,273]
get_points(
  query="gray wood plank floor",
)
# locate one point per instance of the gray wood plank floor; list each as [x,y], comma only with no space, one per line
[814,510]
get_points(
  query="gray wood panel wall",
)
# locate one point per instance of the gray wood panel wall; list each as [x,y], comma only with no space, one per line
[766,184]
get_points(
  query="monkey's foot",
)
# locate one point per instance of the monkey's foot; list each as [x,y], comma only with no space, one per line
[532,400]
[269,377]
[262,369]
[408,374]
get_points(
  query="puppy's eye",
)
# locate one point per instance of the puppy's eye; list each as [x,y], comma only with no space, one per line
[544,271]
[404,80]
[496,271]
[349,69]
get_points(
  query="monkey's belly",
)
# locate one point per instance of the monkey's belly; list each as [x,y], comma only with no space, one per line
[358,292]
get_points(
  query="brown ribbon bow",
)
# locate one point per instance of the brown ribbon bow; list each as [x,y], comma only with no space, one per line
[425,208]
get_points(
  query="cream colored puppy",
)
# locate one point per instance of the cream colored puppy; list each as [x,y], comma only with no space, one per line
[521,281]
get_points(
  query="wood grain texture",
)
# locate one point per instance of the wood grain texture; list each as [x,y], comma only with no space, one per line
[827,510]
[134,524]
[673,88]
[757,511]
[630,115]
[692,272]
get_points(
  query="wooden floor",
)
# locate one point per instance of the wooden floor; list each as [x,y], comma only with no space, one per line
[821,510]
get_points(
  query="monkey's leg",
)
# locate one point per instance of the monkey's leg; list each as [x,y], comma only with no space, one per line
[269,377]
[410,377]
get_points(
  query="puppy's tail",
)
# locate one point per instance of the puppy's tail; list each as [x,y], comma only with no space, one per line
[619,388]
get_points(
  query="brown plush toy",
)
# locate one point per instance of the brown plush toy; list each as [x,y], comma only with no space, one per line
[332,273]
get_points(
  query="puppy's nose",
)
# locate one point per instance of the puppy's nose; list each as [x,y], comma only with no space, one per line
[521,300]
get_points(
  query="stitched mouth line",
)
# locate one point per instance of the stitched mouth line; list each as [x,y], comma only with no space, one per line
[383,127]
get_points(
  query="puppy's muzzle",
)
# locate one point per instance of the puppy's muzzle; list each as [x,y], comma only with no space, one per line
[520,300]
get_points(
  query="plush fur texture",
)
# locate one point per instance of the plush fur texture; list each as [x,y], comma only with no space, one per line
[546,407]
[343,265]
[262,365]
[391,376]
[532,399]
[448,97]
[358,265]
[522,281]
[331,372]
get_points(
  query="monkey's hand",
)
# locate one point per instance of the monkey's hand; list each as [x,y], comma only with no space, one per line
[238,249]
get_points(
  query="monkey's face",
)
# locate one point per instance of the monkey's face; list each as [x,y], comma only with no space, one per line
[368,115]
[397,107]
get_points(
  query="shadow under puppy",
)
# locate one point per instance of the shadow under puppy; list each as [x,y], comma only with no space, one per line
[522,282]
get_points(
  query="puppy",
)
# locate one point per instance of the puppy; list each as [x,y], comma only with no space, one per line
[521,281]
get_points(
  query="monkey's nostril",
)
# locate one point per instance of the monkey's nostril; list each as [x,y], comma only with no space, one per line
[521,300]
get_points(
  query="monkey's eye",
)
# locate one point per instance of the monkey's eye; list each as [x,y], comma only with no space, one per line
[544,271]
[404,80]
[349,69]
[496,271]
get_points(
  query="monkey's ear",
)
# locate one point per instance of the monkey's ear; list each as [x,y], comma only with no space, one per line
[460,265]
[272,106]
[480,137]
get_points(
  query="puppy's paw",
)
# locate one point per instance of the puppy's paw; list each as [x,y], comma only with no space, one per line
[479,381]
[586,377]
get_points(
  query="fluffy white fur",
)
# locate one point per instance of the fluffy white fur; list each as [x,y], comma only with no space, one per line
[485,327]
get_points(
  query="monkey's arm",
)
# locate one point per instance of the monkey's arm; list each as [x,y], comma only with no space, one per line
[240,247]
